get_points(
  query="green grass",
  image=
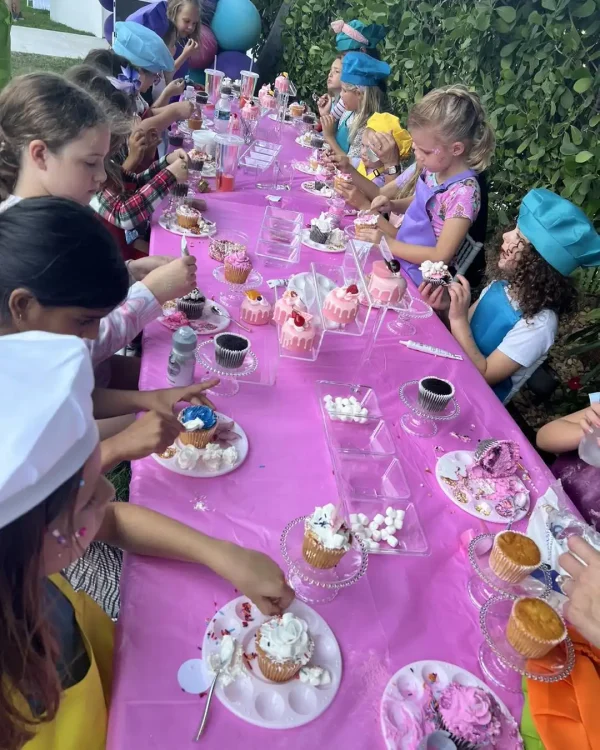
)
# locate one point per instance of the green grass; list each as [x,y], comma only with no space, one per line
[40,19]
[23,63]
[120,477]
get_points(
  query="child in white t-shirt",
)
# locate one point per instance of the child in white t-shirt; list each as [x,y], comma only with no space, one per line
[508,331]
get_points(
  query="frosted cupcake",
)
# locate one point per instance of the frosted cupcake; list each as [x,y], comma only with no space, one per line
[298,333]
[435,273]
[471,714]
[199,425]
[341,304]
[255,309]
[283,646]
[219,249]
[326,538]
[192,304]
[534,628]
[341,180]
[285,305]
[320,229]
[187,217]
[386,284]
[514,556]
[237,267]
[365,223]
[296,109]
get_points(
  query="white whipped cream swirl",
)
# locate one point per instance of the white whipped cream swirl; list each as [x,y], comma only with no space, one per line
[286,638]
[329,528]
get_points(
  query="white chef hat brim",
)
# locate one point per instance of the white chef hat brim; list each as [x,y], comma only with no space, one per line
[46,417]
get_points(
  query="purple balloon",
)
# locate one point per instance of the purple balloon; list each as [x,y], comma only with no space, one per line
[232,62]
[107,5]
[109,27]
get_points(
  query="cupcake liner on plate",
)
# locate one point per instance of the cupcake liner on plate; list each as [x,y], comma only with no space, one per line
[527,644]
[236,275]
[319,556]
[229,358]
[505,568]
[197,438]
[193,310]
[316,235]
[429,399]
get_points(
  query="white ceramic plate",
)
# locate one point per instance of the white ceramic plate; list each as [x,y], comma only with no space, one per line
[200,470]
[404,690]
[260,701]
[454,463]
[172,226]
[300,142]
[305,168]
[330,249]
[204,325]
[309,187]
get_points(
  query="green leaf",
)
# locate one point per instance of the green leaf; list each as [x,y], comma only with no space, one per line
[576,136]
[568,149]
[583,156]
[535,18]
[482,22]
[549,4]
[566,99]
[594,121]
[508,14]
[582,84]
[508,49]
[505,88]
[585,10]
[522,146]
[409,64]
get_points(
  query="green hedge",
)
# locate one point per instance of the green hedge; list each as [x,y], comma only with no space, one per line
[535,64]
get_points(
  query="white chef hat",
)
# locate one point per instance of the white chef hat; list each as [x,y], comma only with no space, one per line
[47,426]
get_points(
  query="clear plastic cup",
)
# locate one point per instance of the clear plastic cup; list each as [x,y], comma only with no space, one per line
[228,156]
[589,450]
[213,84]
[248,84]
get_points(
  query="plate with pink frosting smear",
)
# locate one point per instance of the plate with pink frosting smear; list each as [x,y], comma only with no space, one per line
[495,499]
[469,709]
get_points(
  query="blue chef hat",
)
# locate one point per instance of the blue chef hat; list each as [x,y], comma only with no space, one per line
[142,47]
[560,231]
[360,69]
[357,35]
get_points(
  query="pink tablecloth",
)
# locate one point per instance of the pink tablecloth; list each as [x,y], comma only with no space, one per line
[405,609]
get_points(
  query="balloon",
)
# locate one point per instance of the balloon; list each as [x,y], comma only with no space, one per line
[107,5]
[236,25]
[109,27]
[232,62]
[204,56]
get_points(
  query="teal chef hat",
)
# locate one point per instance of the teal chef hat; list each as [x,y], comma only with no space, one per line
[360,69]
[560,231]
[142,47]
[357,35]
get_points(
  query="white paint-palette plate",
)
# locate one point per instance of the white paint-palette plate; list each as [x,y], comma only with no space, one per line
[260,701]
[403,696]
[209,323]
[454,464]
[327,248]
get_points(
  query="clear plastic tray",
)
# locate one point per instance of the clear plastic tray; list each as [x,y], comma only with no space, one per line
[365,395]
[280,234]
[373,437]
[310,356]
[411,537]
[260,155]
[372,479]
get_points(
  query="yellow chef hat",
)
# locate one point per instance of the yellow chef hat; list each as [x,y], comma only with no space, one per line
[383,122]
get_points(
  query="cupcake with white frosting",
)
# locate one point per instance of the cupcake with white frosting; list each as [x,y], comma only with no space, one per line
[320,229]
[435,273]
[326,538]
[283,646]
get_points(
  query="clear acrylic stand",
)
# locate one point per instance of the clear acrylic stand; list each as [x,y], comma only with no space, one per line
[418,421]
[410,308]
[228,385]
[236,291]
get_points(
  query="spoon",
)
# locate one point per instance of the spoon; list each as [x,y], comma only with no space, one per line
[208,701]
[243,326]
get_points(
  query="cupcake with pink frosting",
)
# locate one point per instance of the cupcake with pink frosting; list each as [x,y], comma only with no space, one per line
[285,305]
[237,267]
[471,714]
[341,304]
[255,309]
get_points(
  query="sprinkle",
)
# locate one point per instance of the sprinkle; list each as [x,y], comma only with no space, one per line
[462,438]
[428,470]
[439,448]
[261,466]
[244,624]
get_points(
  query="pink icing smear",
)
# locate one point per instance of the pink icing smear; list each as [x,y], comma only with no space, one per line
[471,713]
[498,460]
[238,260]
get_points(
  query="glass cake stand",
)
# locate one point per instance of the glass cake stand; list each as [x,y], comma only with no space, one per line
[485,584]
[419,421]
[503,665]
[228,385]
[410,307]
[236,291]
[316,586]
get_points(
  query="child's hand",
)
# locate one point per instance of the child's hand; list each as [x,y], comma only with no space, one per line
[175,88]
[324,105]
[164,400]
[382,204]
[460,299]
[341,161]
[582,563]
[190,47]
[179,153]
[370,235]
[151,433]
[590,420]
[137,145]
[436,297]
[174,279]
[141,267]
[183,110]
[328,125]
[353,196]
[386,149]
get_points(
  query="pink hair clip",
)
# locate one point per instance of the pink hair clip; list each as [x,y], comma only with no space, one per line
[341,27]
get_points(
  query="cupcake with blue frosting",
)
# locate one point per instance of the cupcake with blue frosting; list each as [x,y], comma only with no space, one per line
[199,426]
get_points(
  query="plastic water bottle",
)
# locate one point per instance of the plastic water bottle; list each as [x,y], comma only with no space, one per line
[182,359]
[589,450]
[223,110]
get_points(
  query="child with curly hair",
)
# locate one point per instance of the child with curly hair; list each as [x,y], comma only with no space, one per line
[507,333]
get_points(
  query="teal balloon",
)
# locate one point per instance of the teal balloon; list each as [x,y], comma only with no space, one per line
[236,25]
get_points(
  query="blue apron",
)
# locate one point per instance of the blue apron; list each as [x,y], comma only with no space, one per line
[416,227]
[342,136]
[493,318]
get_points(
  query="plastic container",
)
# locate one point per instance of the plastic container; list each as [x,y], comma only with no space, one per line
[213,80]
[227,158]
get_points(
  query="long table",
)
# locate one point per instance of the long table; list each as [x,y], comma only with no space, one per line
[404,609]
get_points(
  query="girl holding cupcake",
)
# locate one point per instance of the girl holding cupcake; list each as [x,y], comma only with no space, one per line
[508,331]
[362,93]
[440,197]
[55,644]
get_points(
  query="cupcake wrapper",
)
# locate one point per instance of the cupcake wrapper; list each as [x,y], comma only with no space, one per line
[193,310]
[197,438]
[483,446]
[187,222]
[433,402]
[318,556]
[525,643]
[316,235]
[436,282]
[273,670]
[228,359]
[236,275]
[506,569]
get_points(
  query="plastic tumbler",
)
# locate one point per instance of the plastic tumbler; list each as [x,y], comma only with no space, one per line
[589,450]
[228,155]
[248,85]
[213,80]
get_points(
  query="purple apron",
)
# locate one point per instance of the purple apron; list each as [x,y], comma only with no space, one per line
[416,227]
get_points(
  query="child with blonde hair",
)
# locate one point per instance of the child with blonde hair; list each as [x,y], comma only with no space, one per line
[453,143]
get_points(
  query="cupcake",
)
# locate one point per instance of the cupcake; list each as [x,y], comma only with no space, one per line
[231,350]
[283,646]
[285,305]
[326,538]
[201,98]
[534,628]
[471,714]
[237,267]
[296,109]
[341,304]
[435,393]
[514,556]
[255,309]
[282,83]
[199,426]
[317,141]
[364,223]
[195,123]
[196,165]
[496,458]
[175,140]
[435,273]
[320,229]
[219,249]
[314,159]
[386,284]
[341,180]
[298,333]
[187,217]
[192,304]
[309,118]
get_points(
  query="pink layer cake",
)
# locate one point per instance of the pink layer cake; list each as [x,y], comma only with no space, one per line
[285,304]
[385,285]
[298,333]
[255,309]
[341,304]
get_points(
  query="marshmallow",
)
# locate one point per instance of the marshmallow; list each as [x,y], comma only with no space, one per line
[398,523]
[385,535]
[376,536]
[345,402]
[392,541]
[328,398]
[353,400]
[353,518]
[389,520]
[391,530]
[363,519]
[367,532]
[390,512]
[379,519]
[373,544]
[364,411]
[373,525]
[400,514]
